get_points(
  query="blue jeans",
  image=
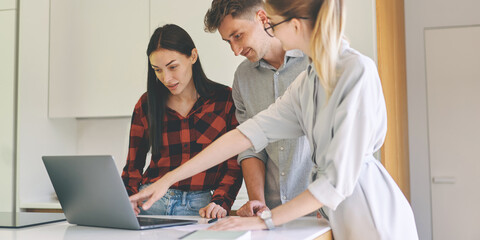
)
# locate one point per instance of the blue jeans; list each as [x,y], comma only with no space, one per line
[177,202]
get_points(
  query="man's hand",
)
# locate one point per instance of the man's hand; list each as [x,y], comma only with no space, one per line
[252,208]
[212,210]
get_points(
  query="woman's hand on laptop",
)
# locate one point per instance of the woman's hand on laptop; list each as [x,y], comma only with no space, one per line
[135,206]
[151,194]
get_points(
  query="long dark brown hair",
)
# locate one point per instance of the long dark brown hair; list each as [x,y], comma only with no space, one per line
[174,38]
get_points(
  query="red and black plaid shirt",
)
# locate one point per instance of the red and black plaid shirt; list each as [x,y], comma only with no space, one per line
[183,138]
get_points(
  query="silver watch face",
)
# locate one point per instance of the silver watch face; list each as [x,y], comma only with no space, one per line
[266,214]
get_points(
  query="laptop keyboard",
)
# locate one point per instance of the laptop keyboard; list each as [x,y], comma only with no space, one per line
[146,221]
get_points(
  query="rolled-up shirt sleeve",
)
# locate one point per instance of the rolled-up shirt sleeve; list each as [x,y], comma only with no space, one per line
[250,153]
[278,121]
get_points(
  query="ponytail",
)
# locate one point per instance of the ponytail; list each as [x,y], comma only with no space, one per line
[325,42]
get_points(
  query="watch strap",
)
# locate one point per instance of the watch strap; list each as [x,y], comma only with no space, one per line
[269,223]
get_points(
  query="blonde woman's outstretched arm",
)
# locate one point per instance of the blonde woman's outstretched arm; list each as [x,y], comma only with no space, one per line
[301,205]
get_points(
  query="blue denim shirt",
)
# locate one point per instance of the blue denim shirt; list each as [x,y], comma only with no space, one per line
[287,162]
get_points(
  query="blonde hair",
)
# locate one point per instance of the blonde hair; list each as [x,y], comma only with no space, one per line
[328,20]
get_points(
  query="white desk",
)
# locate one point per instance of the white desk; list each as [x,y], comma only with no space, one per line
[303,228]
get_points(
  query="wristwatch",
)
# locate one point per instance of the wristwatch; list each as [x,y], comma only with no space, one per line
[266,216]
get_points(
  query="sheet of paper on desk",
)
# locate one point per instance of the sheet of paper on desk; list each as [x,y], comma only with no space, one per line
[190,228]
[217,235]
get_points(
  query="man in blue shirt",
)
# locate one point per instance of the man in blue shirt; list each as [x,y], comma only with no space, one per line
[282,170]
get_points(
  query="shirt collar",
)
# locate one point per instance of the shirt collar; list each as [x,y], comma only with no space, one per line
[295,53]
[310,68]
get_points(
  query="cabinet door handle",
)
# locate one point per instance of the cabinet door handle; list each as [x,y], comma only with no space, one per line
[444,180]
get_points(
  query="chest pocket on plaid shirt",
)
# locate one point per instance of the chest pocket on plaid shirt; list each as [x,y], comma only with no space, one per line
[209,126]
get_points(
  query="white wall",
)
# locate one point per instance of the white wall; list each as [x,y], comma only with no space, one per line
[418,16]
[7,104]
[361,26]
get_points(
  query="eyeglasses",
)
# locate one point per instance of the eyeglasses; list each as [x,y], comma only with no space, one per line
[269,28]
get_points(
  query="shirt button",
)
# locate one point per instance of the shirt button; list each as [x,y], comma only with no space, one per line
[277,73]
[283,173]
[281,148]
[184,120]
[284,197]
[172,194]
[185,145]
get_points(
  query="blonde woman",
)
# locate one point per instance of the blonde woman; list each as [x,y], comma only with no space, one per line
[338,104]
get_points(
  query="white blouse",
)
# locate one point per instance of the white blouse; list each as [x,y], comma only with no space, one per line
[342,132]
[360,198]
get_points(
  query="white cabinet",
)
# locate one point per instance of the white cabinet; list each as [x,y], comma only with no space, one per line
[7,108]
[98,63]
[8,4]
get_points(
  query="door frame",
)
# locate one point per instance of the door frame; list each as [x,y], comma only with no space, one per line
[392,70]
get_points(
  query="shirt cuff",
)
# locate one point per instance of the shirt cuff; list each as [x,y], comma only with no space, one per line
[254,133]
[325,193]
[250,154]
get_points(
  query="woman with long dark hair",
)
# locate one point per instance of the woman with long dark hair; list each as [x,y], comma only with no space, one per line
[181,113]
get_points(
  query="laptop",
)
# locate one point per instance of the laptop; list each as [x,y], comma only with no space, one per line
[91,193]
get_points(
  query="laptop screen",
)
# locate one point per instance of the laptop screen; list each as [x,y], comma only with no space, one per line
[91,192]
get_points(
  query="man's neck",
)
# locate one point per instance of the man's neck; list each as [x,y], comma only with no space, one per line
[276,55]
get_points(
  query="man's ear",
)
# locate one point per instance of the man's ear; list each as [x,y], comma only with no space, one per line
[194,56]
[261,16]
